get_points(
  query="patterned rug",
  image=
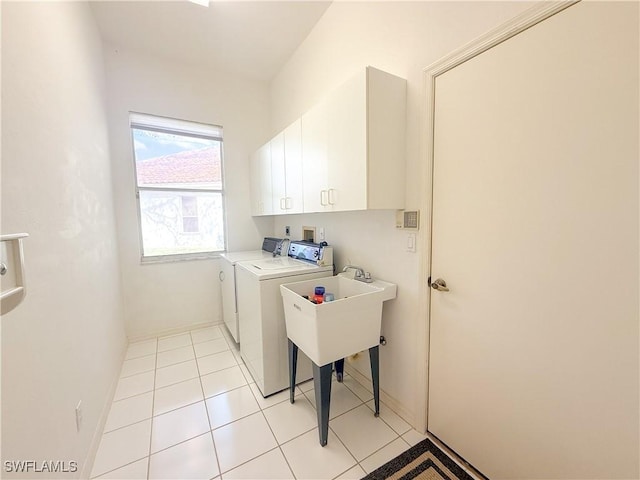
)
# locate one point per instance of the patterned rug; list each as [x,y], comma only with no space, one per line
[424,461]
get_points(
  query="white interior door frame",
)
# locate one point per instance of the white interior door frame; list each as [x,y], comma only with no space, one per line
[518,24]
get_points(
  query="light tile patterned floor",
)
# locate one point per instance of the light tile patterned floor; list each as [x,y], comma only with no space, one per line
[186,407]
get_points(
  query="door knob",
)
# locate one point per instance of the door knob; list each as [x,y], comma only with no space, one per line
[440,285]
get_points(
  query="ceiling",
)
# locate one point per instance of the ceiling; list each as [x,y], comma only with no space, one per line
[250,38]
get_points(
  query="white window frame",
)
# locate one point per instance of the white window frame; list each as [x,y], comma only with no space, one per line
[186,128]
[196,216]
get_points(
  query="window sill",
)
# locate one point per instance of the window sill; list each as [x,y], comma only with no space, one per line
[185,257]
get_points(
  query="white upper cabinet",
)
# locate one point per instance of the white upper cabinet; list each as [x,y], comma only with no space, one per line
[315,144]
[278,174]
[353,146]
[261,183]
[255,184]
[347,149]
[346,153]
[293,163]
[286,165]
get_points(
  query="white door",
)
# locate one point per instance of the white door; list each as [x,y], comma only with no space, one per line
[533,363]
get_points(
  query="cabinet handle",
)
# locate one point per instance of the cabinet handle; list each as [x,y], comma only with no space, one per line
[288,203]
[322,202]
[221,276]
[330,196]
[283,204]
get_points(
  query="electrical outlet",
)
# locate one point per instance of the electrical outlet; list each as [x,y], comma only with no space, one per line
[79,415]
[287,231]
[321,234]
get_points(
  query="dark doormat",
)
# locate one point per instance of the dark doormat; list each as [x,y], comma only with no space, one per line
[423,461]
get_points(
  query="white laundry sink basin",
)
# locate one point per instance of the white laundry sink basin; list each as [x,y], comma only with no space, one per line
[333,330]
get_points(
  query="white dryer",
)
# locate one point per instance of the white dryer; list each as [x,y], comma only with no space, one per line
[227,277]
[261,315]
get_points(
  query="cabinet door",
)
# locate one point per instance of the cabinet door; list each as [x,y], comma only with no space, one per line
[314,158]
[347,145]
[278,175]
[264,173]
[293,167]
[256,191]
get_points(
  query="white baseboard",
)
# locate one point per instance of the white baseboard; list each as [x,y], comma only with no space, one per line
[171,331]
[85,471]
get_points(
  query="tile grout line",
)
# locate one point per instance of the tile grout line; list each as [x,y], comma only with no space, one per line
[251,460]
[131,423]
[336,435]
[345,447]
[279,446]
[117,468]
[387,423]
[198,368]
[305,395]
[131,396]
[192,342]
[158,339]
[136,373]
[206,409]
[363,403]
[153,391]
[124,426]
[342,473]
[127,425]
[381,448]
[153,401]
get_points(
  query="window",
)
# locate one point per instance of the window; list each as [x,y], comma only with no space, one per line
[179,187]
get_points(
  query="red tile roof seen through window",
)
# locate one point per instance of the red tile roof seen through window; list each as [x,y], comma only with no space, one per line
[191,166]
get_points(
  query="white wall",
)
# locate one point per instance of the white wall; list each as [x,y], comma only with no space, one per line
[402,38]
[65,342]
[160,298]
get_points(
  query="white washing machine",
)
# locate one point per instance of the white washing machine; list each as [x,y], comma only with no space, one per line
[228,284]
[261,315]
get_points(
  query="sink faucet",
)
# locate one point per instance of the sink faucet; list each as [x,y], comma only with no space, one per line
[360,275]
[278,250]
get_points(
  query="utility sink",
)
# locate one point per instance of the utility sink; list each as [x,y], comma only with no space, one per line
[334,330]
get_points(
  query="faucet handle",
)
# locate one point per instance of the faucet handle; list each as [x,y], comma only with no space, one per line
[359,274]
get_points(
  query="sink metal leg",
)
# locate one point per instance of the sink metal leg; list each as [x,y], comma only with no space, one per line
[293,364]
[374,357]
[339,365]
[322,386]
